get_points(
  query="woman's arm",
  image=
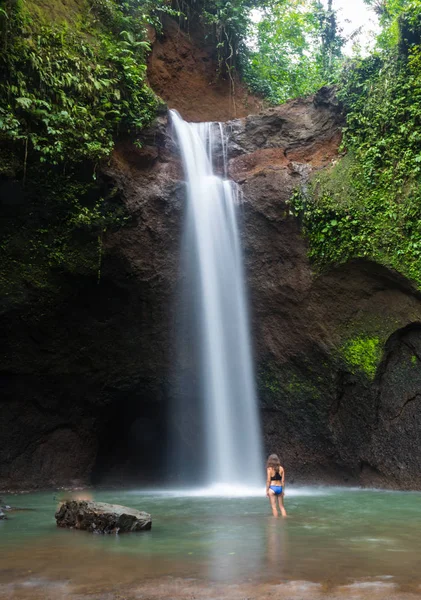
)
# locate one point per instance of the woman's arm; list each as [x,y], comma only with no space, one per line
[283,480]
[267,481]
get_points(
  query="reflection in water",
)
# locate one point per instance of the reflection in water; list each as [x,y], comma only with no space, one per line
[343,541]
[235,545]
[277,548]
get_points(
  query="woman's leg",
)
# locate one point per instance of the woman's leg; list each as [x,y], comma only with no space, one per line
[281,505]
[272,499]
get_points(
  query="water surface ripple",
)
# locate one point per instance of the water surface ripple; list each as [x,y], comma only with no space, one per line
[349,542]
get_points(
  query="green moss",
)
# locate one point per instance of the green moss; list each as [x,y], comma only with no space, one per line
[268,380]
[414,360]
[292,387]
[55,225]
[345,217]
[287,387]
[302,387]
[369,203]
[49,11]
[363,354]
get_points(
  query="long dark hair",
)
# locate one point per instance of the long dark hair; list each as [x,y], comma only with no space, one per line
[273,462]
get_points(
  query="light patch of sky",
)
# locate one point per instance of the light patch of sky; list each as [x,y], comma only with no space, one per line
[355,15]
[359,23]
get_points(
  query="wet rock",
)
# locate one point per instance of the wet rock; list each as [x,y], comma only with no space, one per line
[2,515]
[99,517]
[104,388]
[300,127]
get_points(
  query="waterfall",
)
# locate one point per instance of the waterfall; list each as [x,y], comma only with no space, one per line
[215,277]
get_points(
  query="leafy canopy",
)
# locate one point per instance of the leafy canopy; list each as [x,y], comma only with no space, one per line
[369,204]
[296,49]
[67,89]
[293,49]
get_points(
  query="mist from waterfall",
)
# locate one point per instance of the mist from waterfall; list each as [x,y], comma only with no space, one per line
[219,333]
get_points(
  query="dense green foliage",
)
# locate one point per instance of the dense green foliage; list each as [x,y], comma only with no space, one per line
[293,49]
[297,49]
[369,204]
[400,20]
[229,22]
[72,77]
[65,90]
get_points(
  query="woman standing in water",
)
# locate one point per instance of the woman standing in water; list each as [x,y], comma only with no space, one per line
[275,484]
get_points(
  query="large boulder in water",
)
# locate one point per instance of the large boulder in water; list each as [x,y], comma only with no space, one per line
[99,517]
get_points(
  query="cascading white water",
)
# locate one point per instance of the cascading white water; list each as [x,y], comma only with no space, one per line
[232,429]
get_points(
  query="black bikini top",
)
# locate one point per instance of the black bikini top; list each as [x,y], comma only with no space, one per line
[276,477]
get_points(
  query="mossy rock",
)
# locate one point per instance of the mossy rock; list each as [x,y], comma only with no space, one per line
[57,11]
[363,354]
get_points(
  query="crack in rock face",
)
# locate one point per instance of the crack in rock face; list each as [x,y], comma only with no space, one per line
[407,402]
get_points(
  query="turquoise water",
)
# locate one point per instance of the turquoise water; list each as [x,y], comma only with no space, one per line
[332,537]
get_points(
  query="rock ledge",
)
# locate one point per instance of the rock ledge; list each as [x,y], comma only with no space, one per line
[99,517]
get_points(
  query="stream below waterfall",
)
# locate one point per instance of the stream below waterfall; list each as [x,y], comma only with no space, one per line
[356,543]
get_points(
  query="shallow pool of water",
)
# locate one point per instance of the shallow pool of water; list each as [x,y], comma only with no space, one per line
[334,539]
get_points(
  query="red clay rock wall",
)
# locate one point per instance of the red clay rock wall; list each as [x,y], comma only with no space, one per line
[185,75]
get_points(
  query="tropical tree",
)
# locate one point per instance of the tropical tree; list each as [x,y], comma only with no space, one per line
[296,48]
[330,37]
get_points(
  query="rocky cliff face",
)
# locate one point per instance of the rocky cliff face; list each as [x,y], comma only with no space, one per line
[184,71]
[87,373]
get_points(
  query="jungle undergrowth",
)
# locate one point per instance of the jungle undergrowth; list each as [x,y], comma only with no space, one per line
[368,203]
[69,87]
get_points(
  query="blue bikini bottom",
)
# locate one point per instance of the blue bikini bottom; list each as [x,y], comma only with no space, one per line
[276,489]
